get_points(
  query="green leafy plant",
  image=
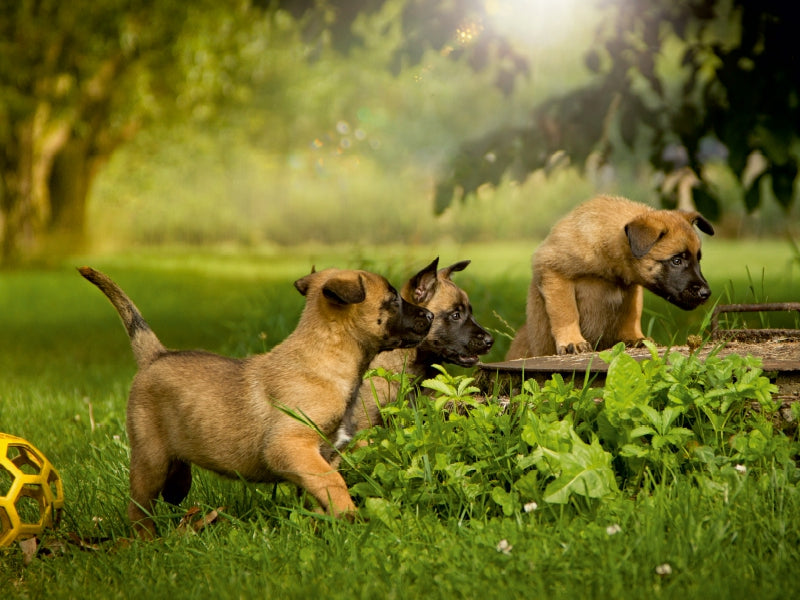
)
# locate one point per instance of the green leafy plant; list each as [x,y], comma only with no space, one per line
[662,419]
[572,465]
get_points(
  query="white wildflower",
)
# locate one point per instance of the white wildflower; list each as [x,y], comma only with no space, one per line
[530,507]
[741,469]
[664,570]
[504,547]
[613,529]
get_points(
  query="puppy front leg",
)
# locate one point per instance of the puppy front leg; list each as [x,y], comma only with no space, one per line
[562,310]
[300,462]
[630,321]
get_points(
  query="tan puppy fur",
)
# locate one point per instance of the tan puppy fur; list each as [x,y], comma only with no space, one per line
[455,338]
[230,415]
[589,274]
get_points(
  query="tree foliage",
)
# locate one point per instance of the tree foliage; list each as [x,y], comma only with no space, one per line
[680,82]
[80,78]
[460,27]
[685,83]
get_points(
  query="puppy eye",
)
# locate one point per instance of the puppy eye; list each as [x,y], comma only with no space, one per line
[677,261]
[455,316]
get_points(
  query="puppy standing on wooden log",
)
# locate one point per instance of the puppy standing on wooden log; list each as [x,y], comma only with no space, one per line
[455,338]
[589,273]
[230,415]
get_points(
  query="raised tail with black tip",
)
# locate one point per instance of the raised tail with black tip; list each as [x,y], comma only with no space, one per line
[146,346]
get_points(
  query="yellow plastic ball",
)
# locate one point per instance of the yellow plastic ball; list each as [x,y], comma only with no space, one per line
[31,494]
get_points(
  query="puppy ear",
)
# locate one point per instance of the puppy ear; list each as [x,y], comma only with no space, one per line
[423,285]
[695,218]
[343,291]
[642,235]
[459,266]
[303,283]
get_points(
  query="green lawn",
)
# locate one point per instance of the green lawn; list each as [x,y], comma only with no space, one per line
[65,366]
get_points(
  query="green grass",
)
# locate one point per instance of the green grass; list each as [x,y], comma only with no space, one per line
[64,352]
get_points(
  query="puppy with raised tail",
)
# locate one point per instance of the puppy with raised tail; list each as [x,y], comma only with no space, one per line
[590,272]
[239,417]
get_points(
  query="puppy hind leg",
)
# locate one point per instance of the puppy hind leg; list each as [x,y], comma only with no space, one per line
[147,478]
[178,482]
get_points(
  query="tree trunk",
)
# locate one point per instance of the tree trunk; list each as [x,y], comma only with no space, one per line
[69,183]
[18,210]
[51,223]
[47,168]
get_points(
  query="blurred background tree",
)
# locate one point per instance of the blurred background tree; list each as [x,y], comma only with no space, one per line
[684,83]
[242,111]
[77,80]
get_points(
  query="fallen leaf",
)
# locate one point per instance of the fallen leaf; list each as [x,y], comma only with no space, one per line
[29,547]
[186,519]
[87,543]
[206,520]
[191,524]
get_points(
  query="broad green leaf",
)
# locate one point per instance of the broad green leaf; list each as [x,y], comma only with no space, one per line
[640,431]
[525,461]
[627,390]
[464,387]
[582,469]
[679,435]
[634,451]
[384,510]
[528,485]
[585,472]
[440,386]
[509,501]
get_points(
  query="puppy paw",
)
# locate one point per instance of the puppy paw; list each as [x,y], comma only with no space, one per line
[637,342]
[574,347]
[351,516]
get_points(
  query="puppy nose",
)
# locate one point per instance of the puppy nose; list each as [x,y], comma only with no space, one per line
[704,292]
[424,313]
[481,342]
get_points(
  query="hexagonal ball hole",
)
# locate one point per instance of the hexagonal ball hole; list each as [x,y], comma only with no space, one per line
[24,460]
[5,521]
[7,532]
[30,504]
[6,479]
[52,481]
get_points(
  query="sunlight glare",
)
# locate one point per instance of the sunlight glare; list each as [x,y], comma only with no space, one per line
[539,23]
